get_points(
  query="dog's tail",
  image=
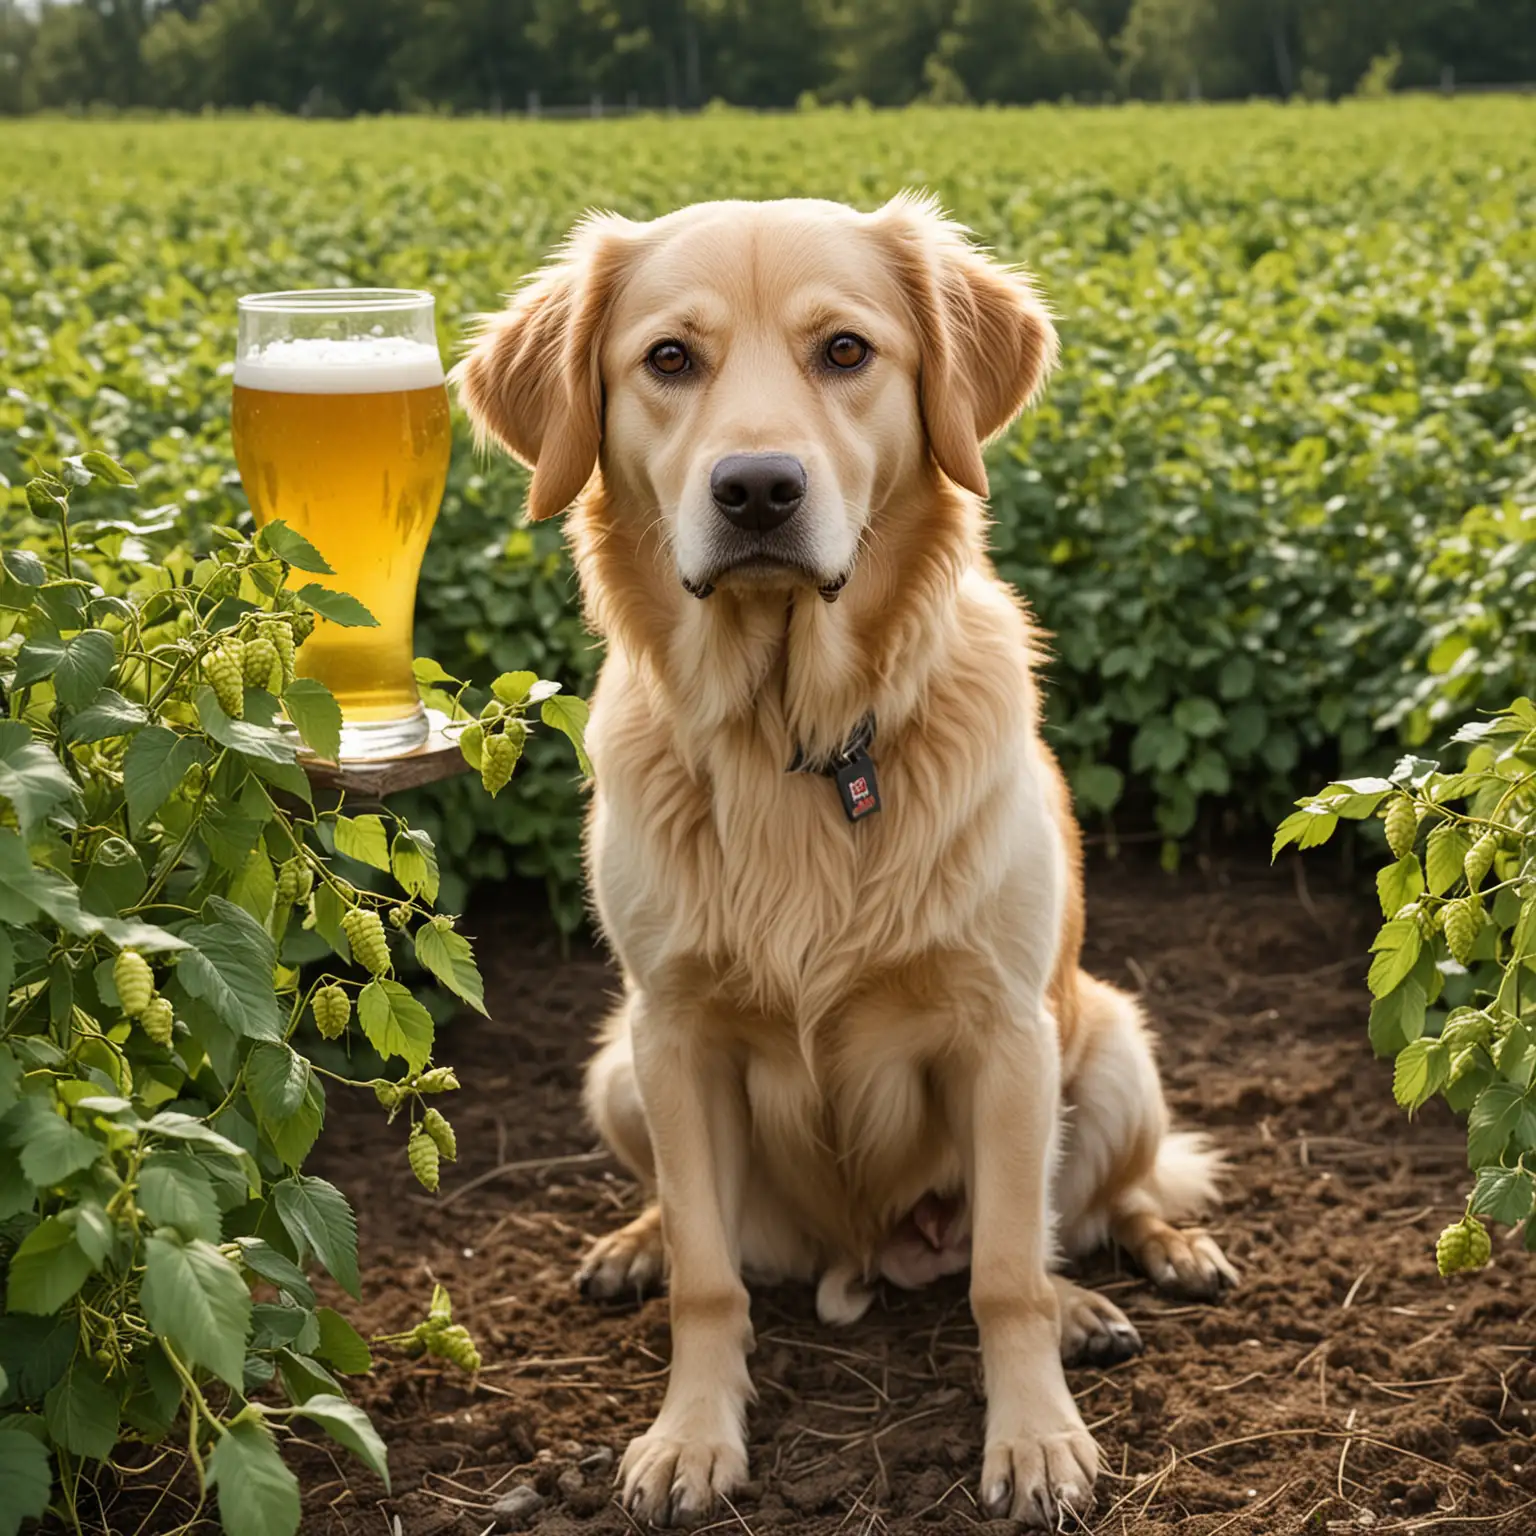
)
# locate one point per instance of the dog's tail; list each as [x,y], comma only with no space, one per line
[1184,1183]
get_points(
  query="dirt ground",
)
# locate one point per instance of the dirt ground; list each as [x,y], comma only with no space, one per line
[1343,1386]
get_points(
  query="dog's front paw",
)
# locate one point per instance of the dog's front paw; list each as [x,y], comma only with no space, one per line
[676,1478]
[1042,1480]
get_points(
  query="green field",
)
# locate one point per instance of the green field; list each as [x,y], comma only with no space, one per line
[1277,508]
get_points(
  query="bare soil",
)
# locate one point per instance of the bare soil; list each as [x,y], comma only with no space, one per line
[1343,1386]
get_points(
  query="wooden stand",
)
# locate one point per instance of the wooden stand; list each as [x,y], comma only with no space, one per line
[438,758]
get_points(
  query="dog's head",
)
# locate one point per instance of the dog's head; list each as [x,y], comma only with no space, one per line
[762,378]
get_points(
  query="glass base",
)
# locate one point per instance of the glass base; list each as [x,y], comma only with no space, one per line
[367,741]
[374,741]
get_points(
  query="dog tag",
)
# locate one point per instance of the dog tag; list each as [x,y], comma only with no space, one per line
[857,785]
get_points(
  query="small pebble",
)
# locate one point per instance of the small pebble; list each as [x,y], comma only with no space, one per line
[514,1510]
[600,1462]
[570,1482]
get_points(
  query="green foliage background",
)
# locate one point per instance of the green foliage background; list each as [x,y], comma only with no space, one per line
[1276,509]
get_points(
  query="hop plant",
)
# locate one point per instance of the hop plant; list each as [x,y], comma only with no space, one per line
[1461,924]
[295,880]
[158,1021]
[436,1125]
[454,1344]
[332,1008]
[223,668]
[1463,1245]
[438,1080]
[280,637]
[135,982]
[365,933]
[422,1153]
[1402,822]
[399,917]
[259,663]
[1479,859]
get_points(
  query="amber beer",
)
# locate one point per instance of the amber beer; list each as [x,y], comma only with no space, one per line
[345,436]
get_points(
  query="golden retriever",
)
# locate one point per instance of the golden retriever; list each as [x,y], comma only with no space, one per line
[854,1040]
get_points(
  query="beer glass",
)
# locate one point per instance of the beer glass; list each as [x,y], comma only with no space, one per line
[341,429]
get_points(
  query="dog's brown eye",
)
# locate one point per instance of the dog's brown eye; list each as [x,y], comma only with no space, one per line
[847,351]
[669,358]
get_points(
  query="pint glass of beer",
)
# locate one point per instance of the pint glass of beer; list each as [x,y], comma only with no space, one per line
[341,429]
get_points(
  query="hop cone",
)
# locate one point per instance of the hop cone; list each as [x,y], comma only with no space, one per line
[1402,821]
[436,1125]
[421,1151]
[332,1008]
[1461,924]
[365,933]
[259,662]
[135,982]
[1479,859]
[158,1021]
[223,668]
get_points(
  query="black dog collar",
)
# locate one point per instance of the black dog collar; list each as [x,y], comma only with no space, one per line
[851,767]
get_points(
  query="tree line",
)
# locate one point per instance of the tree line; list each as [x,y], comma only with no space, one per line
[339,57]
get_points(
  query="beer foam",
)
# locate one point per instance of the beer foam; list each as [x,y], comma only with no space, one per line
[320,365]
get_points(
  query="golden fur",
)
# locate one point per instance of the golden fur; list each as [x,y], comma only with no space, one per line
[844,1051]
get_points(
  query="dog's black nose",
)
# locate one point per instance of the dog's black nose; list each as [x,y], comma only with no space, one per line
[758,491]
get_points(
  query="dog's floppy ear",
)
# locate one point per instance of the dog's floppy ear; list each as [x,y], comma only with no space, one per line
[532,378]
[986,336]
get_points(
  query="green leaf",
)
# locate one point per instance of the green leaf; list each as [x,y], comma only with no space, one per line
[395,1023]
[316,716]
[1306,828]
[568,714]
[263,1259]
[241,735]
[329,908]
[279,539]
[513,688]
[37,658]
[81,1412]
[1443,857]
[338,607]
[317,1216]
[54,1149]
[288,1099]
[341,1345]
[1198,717]
[31,777]
[22,564]
[114,879]
[229,965]
[427,672]
[1097,786]
[1398,1018]
[1354,798]
[348,1426]
[363,838]
[175,1192]
[1396,951]
[193,1296]
[111,715]
[1492,1121]
[107,469]
[1505,1194]
[47,1269]
[1420,1073]
[7,977]
[304,1377]
[1398,884]
[156,762]
[258,1495]
[25,1480]
[254,887]
[414,862]
[448,956]
[85,665]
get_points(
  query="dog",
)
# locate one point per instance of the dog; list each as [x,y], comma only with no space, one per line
[834,858]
